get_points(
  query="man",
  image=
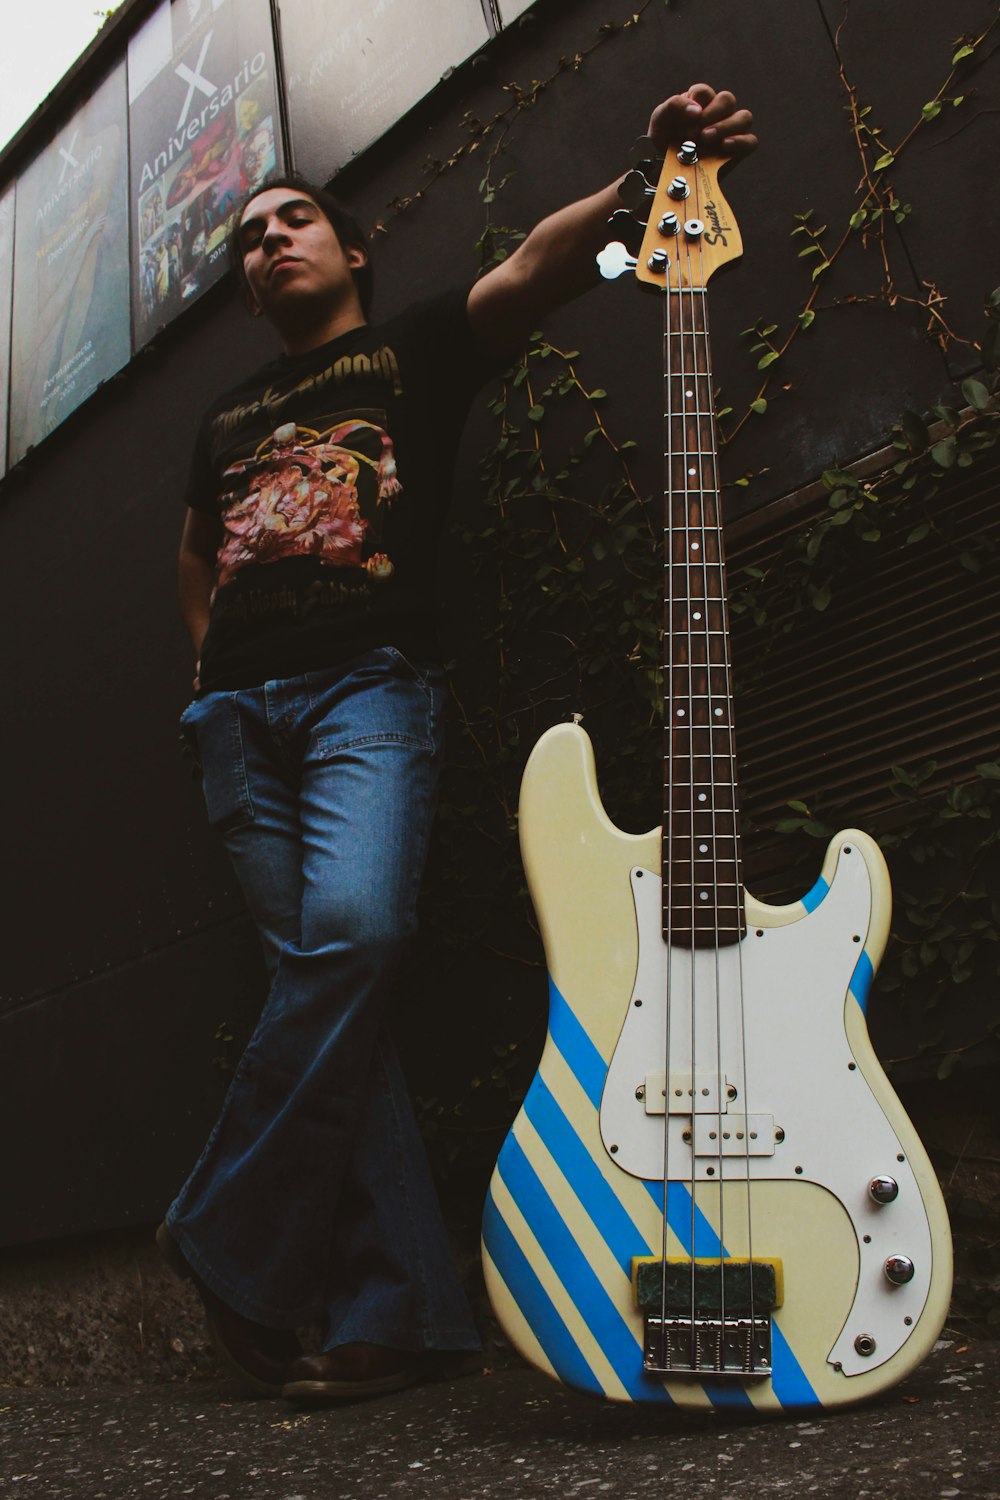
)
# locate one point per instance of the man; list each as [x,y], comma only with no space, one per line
[317,490]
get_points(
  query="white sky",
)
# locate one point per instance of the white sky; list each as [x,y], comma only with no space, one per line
[39,41]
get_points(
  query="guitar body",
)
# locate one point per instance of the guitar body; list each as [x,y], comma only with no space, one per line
[579,1197]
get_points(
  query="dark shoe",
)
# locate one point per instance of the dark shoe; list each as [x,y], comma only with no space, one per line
[259,1357]
[354,1372]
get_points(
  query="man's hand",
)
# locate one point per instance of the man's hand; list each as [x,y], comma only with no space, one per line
[556,261]
[703,115]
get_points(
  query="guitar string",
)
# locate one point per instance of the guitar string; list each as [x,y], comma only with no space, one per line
[687,738]
[711,449]
[667,848]
[700,382]
[705,425]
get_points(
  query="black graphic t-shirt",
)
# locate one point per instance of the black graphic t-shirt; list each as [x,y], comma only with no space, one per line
[331,473]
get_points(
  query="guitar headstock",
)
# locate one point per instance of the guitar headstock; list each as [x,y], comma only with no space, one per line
[689,227]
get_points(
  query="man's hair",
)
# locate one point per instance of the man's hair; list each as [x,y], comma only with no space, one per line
[345,226]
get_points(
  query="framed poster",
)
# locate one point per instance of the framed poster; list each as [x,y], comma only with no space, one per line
[70,326]
[353,67]
[511,9]
[6,290]
[203,124]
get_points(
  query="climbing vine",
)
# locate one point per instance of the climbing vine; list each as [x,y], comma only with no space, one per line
[563,566]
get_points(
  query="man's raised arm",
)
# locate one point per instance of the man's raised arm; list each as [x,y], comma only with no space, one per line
[557,261]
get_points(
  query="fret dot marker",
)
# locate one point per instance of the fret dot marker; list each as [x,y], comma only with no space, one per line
[701,797]
[691,471]
[696,615]
[718,713]
[702,848]
[702,895]
[689,394]
[680,713]
[694,546]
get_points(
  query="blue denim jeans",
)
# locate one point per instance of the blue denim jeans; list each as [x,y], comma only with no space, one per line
[313,1200]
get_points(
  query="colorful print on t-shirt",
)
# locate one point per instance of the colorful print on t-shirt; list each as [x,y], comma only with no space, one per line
[309,493]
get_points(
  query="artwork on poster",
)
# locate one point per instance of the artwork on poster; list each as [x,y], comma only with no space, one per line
[70,324]
[6,290]
[352,70]
[203,121]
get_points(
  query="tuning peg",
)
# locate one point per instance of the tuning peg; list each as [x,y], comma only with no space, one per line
[626,228]
[688,154]
[614,260]
[645,150]
[635,191]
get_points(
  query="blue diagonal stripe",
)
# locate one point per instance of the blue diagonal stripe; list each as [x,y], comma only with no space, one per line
[611,1333]
[861,980]
[812,898]
[583,1058]
[535,1303]
[577,1165]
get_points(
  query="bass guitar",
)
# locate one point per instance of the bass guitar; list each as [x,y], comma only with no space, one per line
[711,1195]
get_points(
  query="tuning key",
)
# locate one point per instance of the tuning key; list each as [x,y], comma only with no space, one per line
[678,188]
[645,150]
[626,228]
[614,260]
[669,224]
[688,153]
[635,191]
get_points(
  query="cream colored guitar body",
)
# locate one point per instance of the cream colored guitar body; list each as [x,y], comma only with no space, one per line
[578,1192]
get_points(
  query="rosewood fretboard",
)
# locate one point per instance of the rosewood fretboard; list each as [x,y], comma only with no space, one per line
[702,878]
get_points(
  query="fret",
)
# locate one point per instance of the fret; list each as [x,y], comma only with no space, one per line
[701,853]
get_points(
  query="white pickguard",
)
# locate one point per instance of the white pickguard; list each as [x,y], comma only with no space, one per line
[781,1043]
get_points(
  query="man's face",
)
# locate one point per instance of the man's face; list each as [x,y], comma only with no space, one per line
[292,256]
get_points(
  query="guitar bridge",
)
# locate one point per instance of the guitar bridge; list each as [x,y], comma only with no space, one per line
[707,1317]
[707,1346]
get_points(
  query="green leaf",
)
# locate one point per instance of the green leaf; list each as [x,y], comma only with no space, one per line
[931,109]
[947,1064]
[918,533]
[976,394]
[820,269]
[835,478]
[597,395]
[885,160]
[965,51]
[858,218]
[990,769]
[821,597]
[914,430]
[768,359]
[807,318]
[810,250]
[943,453]
[799,807]
[759,406]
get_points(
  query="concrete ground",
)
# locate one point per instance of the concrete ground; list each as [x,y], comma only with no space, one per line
[509,1433]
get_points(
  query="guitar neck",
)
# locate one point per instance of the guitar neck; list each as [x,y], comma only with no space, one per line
[702,877]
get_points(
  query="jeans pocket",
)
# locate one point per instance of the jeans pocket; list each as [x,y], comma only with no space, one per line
[212,724]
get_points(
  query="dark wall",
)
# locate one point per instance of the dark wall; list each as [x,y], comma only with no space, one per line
[127,959]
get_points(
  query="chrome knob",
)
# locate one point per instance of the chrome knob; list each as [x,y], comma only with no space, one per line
[658,261]
[899,1269]
[688,153]
[678,188]
[883,1190]
[669,224]
[694,229]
